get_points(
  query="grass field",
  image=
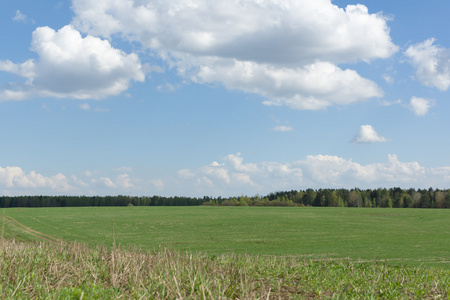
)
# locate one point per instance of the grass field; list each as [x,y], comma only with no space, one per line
[398,236]
[75,271]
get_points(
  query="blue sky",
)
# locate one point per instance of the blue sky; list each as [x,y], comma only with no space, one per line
[222,98]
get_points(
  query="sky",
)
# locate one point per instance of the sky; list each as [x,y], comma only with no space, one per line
[222,98]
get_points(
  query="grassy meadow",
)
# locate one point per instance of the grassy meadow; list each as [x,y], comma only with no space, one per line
[75,271]
[399,236]
[224,253]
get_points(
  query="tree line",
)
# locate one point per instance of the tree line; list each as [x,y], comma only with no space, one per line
[381,197]
[120,200]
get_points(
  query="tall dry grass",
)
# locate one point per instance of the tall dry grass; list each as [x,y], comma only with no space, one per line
[76,271]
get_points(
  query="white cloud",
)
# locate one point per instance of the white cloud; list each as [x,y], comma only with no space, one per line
[419,106]
[8,95]
[311,87]
[281,32]
[234,176]
[325,169]
[25,69]
[283,128]
[367,134]
[286,51]
[185,173]
[121,181]
[19,17]
[107,182]
[236,162]
[70,65]
[15,177]
[315,171]
[242,179]
[432,64]
[231,176]
[124,181]
[217,173]
[16,181]
[78,181]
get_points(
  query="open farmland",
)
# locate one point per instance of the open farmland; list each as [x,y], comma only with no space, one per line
[411,236]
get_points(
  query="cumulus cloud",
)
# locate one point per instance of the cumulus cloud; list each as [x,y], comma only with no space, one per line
[305,31]
[121,181]
[315,86]
[325,169]
[71,66]
[233,175]
[286,51]
[315,171]
[124,181]
[16,178]
[16,181]
[432,64]
[78,181]
[367,134]
[419,106]
[107,182]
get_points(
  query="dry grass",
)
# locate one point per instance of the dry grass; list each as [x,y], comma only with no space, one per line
[75,271]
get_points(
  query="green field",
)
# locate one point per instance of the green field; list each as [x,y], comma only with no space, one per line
[411,236]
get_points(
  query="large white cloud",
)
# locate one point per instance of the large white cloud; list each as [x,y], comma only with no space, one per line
[286,51]
[314,86]
[70,65]
[432,64]
[315,171]
[282,32]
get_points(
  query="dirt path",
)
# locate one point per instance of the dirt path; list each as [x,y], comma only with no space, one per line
[19,226]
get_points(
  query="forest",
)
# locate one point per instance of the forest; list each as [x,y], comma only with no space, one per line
[381,197]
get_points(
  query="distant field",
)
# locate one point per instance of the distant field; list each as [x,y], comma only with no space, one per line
[412,236]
